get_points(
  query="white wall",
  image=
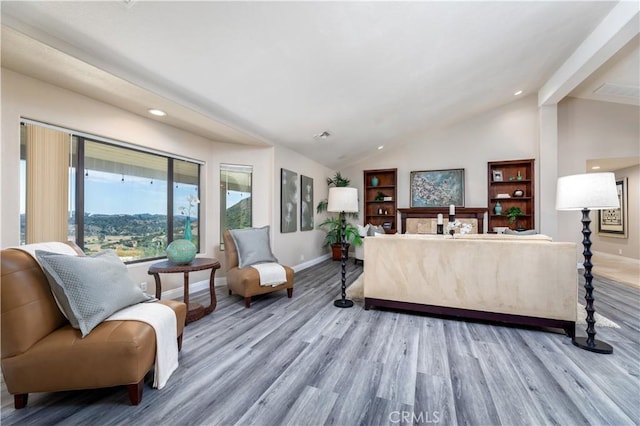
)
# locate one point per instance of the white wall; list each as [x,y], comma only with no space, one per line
[509,132]
[25,97]
[595,130]
[299,248]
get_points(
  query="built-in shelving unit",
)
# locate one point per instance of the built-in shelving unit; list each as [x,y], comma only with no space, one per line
[505,181]
[380,198]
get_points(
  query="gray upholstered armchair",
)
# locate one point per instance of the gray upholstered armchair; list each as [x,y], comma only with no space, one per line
[245,281]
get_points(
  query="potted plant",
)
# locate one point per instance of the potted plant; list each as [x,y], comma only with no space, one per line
[338,181]
[333,225]
[513,213]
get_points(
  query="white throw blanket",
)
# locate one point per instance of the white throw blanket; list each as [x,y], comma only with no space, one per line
[163,320]
[271,274]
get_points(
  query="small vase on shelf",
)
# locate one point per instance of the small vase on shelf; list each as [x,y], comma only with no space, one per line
[374,181]
[498,208]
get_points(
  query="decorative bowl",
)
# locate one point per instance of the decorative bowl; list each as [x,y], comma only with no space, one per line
[181,252]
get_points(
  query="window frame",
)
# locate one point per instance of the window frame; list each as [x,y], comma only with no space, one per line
[77,162]
[228,167]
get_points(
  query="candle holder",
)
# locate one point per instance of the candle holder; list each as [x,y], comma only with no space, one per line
[440,229]
[452,224]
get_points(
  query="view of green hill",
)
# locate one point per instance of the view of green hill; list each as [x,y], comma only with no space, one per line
[239,215]
[133,237]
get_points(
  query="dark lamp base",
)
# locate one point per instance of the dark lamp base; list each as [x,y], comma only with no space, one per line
[598,346]
[343,303]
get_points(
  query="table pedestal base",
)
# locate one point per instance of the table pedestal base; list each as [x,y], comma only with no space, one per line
[195,311]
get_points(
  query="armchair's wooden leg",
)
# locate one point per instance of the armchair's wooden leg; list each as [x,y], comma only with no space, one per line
[20,400]
[229,292]
[247,302]
[290,293]
[135,392]
[180,342]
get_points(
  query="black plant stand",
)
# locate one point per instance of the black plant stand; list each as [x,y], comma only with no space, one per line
[344,302]
[589,343]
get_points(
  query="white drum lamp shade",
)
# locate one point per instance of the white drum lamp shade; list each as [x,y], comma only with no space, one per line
[343,199]
[593,191]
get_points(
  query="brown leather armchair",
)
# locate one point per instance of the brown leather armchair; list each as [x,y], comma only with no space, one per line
[246,281]
[41,352]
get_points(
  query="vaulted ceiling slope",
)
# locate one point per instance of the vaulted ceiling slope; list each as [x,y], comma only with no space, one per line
[369,73]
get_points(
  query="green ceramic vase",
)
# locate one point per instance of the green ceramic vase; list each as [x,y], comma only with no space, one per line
[181,252]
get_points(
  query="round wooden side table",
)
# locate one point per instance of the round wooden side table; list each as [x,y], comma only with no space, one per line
[195,311]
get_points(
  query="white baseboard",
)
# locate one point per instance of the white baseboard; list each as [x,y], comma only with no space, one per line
[178,293]
[309,263]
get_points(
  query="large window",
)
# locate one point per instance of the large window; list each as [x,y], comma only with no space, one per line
[118,197]
[235,197]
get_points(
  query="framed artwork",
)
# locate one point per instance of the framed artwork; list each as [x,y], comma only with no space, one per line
[306,203]
[613,222]
[437,188]
[497,175]
[288,201]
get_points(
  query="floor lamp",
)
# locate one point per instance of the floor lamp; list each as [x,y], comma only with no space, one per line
[343,200]
[585,192]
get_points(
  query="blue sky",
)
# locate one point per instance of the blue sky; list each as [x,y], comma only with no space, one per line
[106,193]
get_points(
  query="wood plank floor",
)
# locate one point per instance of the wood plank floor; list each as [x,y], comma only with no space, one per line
[302,361]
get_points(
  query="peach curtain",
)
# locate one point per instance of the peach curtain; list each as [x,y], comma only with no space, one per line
[47,184]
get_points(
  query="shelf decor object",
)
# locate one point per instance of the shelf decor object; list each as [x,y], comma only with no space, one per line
[585,192]
[343,200]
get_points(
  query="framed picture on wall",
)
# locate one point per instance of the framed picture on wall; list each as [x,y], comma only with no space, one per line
[437,188]
[613,222]
[288,201]
[306,203]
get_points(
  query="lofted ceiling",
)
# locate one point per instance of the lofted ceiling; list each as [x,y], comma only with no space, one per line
[264,73]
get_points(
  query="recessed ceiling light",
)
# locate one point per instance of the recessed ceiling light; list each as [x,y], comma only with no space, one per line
[519,92]
[157,112]
[595,168]
[381,146]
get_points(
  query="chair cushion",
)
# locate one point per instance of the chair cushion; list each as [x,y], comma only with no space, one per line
[253,246]
[363,231]
[373,230]
[89,288]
